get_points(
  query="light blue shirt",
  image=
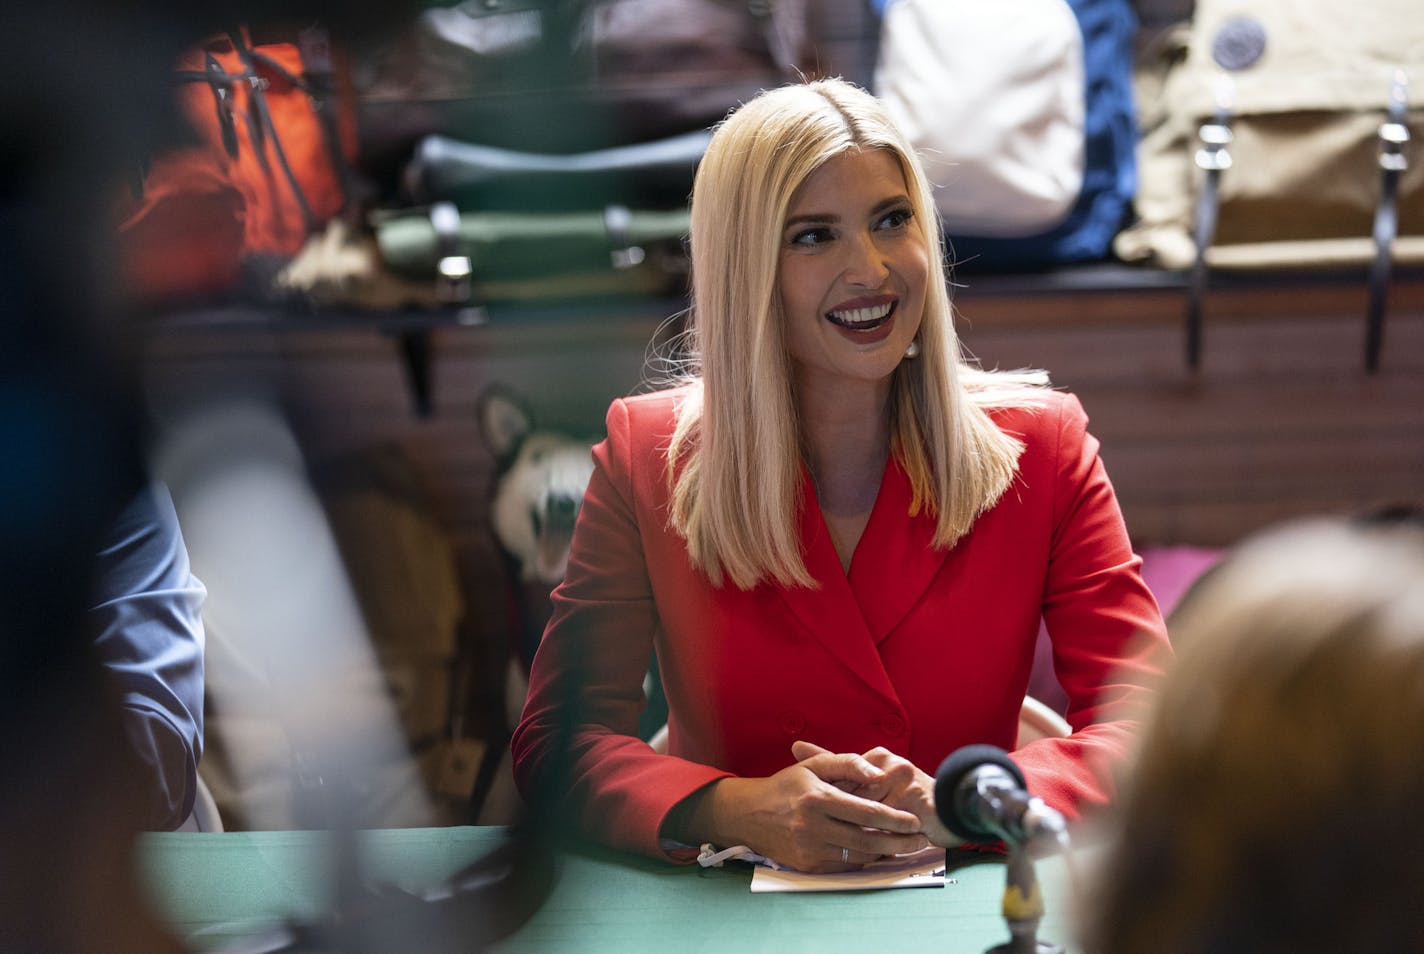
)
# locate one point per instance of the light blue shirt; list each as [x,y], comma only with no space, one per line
[149,635]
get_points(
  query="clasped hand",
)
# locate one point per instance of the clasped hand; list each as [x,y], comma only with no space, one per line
[827,812]
[901,785]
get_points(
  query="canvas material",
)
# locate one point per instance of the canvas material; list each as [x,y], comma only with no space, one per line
[1011,170]
[1304,180]
[1109,138]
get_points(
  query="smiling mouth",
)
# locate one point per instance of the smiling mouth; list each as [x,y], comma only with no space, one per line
[862,319]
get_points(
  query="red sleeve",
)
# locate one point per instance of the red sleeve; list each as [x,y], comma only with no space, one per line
[1110,644]
[588,672]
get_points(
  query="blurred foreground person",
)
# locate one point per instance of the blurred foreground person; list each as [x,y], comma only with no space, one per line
[72,442]
[1273,806]
[149,632]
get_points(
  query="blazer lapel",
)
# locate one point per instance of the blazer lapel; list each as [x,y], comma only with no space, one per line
[895,561]
[831,612]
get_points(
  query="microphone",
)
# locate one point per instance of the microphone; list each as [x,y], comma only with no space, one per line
[981,795]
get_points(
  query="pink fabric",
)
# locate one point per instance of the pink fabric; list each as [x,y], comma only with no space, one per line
[1168,571]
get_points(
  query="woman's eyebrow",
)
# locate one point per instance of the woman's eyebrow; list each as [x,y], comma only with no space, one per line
[890,203]
[886,203]
[812,217]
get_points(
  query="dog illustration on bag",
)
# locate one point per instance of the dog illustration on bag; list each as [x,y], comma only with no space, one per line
[541,478]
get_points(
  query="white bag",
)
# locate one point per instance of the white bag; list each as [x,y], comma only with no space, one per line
[993,97]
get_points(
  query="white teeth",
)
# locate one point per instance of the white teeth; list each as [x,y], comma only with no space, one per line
[859,316]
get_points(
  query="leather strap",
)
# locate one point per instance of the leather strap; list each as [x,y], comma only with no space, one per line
[1393,134]
[221,84]
[1213,158]
[263,127]
[318,80]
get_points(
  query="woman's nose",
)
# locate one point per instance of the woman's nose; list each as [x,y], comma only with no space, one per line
[865,263]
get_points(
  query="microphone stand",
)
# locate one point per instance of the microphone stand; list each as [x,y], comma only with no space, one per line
[1023,907]
[980,794]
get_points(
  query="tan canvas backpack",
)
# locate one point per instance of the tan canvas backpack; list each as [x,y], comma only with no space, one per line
[1278,133]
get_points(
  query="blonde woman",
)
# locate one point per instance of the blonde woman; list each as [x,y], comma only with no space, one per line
[838,536]
[1274,805]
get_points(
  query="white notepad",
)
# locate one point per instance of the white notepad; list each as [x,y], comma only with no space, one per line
[923,869]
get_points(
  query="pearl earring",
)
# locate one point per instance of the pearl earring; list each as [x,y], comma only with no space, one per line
[913,351]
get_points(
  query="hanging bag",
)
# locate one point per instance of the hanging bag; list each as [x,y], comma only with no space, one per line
[1276,134]
[992,95]
[1023,115]
[276,144]
[561,76]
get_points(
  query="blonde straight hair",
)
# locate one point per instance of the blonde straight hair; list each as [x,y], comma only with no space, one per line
[734,463]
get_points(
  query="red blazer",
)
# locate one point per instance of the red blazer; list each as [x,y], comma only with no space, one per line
[916,649]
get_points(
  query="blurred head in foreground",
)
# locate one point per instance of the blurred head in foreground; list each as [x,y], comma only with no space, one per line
[1274,804]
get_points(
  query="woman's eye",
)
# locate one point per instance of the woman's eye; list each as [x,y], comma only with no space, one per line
[811,237]
[896,218]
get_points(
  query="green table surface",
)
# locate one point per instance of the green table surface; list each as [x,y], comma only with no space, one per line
[218,889]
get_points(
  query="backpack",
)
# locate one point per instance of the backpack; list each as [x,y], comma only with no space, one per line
[569,76]
[276,143]
[1024,116]
[1276,135]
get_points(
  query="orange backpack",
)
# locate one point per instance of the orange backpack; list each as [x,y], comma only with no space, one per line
[276,131]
